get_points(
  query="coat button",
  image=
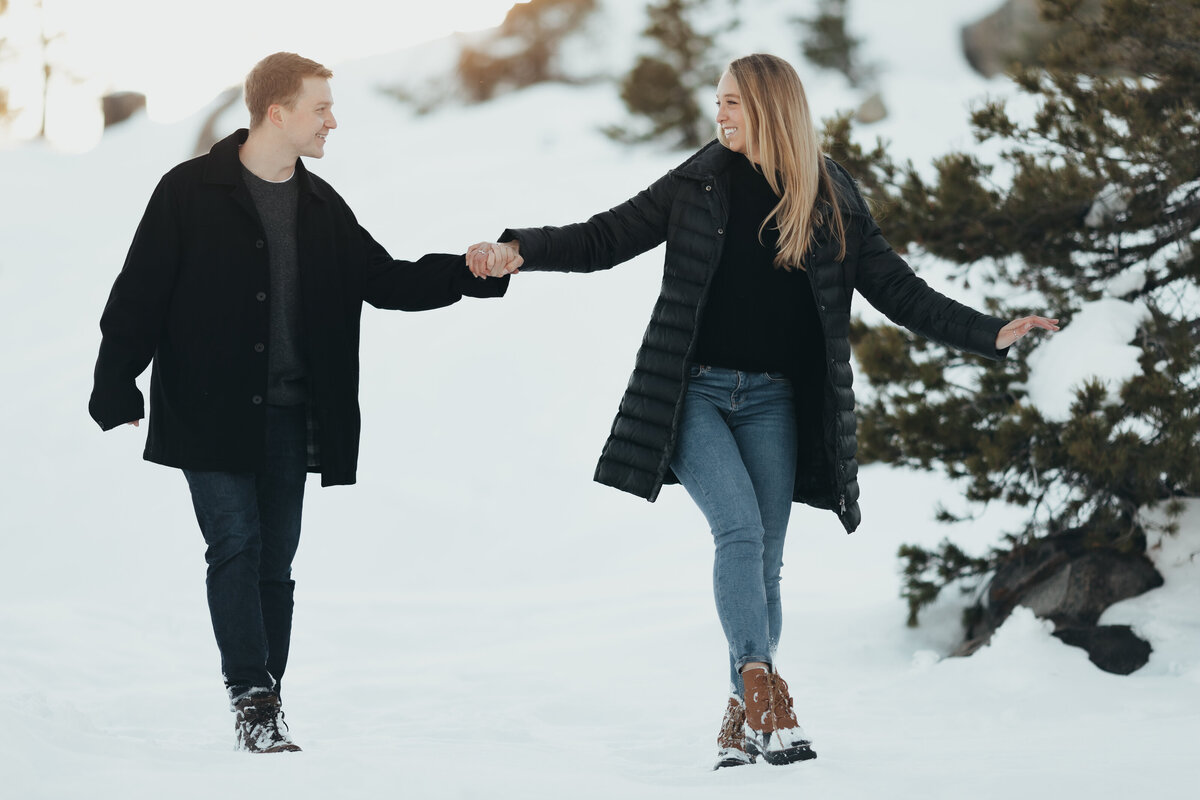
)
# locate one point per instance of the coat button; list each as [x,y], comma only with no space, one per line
[708,188]
[258,348]
[257,399]
[720,231]
[259,244]
[260,296]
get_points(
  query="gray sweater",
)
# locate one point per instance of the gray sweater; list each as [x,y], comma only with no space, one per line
[287,370]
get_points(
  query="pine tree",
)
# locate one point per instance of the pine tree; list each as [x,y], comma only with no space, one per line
[1102,198]
[827,42]
[663,87]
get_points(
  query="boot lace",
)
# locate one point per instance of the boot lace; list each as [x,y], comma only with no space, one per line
[262,721]
[779,701]
[732,726]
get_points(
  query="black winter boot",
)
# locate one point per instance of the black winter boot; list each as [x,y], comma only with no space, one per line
[259,724]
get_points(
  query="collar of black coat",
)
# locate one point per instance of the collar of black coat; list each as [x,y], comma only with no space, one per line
[707,162]
[225,168]
[714,158]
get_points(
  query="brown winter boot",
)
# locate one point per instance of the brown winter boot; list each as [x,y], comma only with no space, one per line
[771,725]
[731,741]
[257,725]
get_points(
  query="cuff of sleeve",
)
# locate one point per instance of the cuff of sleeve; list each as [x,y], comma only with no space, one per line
[987,331]
[470,286]
[531,244]
[109,415]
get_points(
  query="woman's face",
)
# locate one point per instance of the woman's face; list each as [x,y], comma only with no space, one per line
[731,127]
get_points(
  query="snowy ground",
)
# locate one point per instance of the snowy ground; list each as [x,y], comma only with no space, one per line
[477,618]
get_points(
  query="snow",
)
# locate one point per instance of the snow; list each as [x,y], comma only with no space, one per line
[1112,201]
[1127,282]
[1095,346]
[1168,619]
[477,618]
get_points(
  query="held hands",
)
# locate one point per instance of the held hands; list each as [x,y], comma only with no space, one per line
[1019,327]
[494,259]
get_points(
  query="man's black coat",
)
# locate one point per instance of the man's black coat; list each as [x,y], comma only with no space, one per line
[194,296]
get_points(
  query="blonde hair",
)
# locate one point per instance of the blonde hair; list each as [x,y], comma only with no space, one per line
[783,140]
[279,79]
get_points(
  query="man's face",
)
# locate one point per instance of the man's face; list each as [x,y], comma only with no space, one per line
[310,121]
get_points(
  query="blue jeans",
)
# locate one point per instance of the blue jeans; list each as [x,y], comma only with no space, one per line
[251,524]
[736,456]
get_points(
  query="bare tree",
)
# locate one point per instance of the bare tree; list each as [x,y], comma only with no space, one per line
[4,110]
[51,69]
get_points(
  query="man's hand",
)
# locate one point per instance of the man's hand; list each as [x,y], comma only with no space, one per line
[494,259]
[1019,327]
[136,423]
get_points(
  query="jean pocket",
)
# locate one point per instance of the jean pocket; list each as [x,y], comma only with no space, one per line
[696,370]
[776,377]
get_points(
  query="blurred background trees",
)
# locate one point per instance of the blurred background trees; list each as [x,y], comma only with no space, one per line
[39,51]
[524,49]
[663,87]
[827,42]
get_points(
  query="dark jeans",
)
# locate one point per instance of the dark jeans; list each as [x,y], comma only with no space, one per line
[251,524]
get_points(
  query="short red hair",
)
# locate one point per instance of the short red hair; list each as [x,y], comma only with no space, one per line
[278,79]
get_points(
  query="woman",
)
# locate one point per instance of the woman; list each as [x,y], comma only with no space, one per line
[741,389]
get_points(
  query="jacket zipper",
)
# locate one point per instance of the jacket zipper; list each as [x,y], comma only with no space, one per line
[710,181]
[835,467]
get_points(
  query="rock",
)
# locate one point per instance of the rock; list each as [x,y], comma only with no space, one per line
[120,106]
[1112,648]
[1082,586]
[1015,32]
[872,110]
[1069,582]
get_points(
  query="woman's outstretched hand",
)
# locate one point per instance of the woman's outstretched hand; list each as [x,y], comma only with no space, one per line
[493,259]
[1019,327]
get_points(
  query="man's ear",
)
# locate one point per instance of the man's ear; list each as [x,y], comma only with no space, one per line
[275,114]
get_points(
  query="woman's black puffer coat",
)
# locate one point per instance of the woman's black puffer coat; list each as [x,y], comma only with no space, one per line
[688,209]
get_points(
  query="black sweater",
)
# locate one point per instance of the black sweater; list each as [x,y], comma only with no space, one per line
[758,318]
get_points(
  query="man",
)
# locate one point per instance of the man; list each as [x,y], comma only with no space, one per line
[244,283]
